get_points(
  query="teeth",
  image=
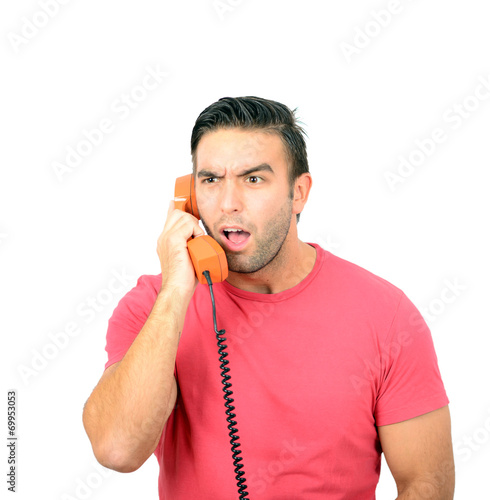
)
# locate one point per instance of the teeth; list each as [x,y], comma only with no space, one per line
[234,230]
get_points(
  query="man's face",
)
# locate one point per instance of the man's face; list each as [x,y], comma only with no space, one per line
[242,183]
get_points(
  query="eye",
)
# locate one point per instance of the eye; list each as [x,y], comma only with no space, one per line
[209,180]
[257,179]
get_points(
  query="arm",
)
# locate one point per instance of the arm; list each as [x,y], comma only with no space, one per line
[125,415]
[419,454]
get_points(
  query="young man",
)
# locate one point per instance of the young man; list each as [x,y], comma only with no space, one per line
[330,365]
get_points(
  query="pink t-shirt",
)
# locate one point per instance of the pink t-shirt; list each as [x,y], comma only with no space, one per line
[314,370]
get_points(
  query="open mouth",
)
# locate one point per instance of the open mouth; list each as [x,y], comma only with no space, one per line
[235,238]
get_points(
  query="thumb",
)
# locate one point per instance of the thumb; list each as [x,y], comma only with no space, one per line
[171,207]
[198,231]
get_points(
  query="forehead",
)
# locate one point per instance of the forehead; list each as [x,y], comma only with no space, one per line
[235,148]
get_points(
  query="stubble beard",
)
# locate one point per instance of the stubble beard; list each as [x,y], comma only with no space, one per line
[267,246]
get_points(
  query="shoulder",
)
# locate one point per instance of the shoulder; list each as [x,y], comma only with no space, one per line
[129,316]
[147,286]
[348,276]
[149,283]
[140,299]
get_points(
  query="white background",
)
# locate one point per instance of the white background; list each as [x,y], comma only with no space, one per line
[62,238]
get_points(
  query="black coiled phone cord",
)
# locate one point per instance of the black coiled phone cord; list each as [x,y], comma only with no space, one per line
[235,445]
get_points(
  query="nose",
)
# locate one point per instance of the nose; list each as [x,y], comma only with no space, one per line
[230,197]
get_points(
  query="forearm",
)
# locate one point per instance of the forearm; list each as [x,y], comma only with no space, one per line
[429,488]
[125,415]
[420,491]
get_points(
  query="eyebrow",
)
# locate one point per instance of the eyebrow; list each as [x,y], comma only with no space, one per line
[263,167]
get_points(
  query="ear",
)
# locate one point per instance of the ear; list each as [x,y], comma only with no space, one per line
[302,187]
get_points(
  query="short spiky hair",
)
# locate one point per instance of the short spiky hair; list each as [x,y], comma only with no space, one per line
[255,113]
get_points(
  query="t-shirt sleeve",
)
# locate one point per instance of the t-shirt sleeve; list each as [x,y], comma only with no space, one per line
[410,383]
[128,318]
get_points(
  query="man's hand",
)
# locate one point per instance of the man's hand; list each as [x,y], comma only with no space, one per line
[126,413]
[177,270]
[419,454]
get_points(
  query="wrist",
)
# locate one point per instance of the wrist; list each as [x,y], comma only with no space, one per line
[173,301]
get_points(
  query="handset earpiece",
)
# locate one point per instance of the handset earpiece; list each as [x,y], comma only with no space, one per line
[205,252]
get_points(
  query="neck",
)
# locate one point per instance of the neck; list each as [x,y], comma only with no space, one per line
[291,265]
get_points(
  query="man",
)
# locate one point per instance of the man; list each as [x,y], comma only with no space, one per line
[330,365]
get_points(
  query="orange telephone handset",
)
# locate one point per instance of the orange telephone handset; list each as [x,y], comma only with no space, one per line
[205,253]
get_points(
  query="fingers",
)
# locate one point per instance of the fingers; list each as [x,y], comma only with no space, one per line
[177,269]
[176,220]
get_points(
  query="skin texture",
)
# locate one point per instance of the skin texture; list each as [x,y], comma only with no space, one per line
[267,245]
[126,412]
[419,454]
[259,202]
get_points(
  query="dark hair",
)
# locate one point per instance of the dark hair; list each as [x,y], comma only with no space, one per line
[256,113]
